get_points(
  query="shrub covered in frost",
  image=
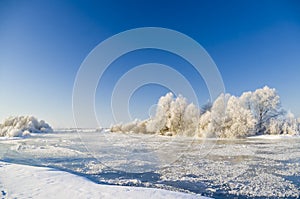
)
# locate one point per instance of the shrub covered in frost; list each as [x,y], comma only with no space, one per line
[284,125]
[22,126]
[136,126]
[174,116]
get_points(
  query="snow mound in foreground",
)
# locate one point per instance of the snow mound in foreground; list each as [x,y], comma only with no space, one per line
[20,181]
[23,125]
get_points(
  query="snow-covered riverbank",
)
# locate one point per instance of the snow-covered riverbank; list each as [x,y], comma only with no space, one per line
[22,181]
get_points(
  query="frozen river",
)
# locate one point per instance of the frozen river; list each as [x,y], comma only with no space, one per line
[255,168]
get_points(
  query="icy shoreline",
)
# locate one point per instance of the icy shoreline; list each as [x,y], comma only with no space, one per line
[22,181]
[274,137]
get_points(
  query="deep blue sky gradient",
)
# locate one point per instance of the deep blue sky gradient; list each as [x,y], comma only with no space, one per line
[42,44]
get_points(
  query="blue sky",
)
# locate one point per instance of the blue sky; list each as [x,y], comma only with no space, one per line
[43,43]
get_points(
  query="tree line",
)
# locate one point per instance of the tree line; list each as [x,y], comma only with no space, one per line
[253,113]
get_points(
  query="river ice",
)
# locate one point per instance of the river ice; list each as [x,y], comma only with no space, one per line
[242,168]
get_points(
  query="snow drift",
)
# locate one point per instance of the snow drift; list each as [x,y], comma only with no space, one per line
[253,113]
[23,125]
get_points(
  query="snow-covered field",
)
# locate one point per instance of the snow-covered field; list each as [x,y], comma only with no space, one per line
[223,168]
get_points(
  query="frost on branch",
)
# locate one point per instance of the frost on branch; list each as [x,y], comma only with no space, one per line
[253,113]
[160,123]
[264,105]
[227,118]
[22,126]
[284,125]
[173,117]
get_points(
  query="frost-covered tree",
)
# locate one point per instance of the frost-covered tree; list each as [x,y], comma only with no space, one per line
[174,116]
[135,126]
[275,126]
[290,125]
[212,120]
[177,109]
[228,118]
[239,121]
[264,105]
[161,121]
[257,112]
[218,114]
[205,125]
[190,120]
[298,124]
[286,124]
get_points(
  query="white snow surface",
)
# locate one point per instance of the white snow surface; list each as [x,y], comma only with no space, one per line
[220,168]
[22,181]
[275,137]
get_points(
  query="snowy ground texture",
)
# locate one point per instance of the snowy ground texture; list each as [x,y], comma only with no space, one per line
[20,181]
[243,168]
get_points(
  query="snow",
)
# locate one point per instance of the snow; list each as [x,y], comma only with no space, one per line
[21,126]
[179,149]
[274,137]
[22,181]
[221,168]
